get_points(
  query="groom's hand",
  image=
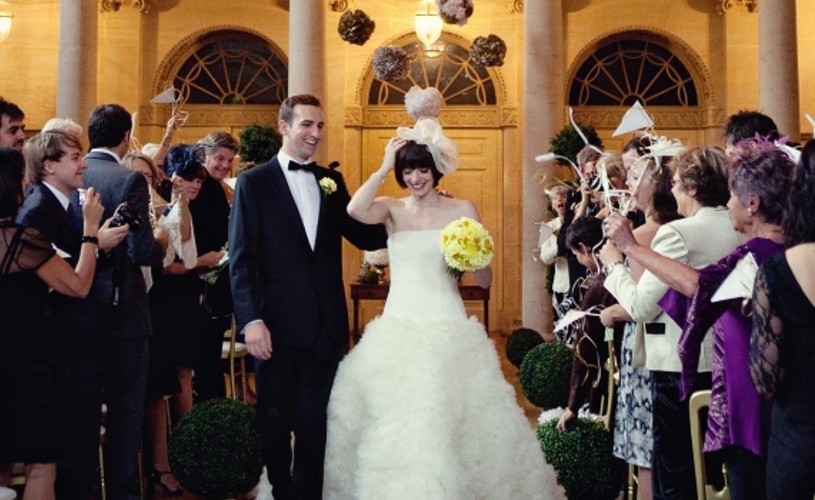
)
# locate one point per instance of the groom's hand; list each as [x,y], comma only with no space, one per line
[258,340]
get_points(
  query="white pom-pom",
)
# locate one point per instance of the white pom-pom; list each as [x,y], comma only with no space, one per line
[423,103]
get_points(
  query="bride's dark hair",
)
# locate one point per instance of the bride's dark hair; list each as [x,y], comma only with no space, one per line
[414,155]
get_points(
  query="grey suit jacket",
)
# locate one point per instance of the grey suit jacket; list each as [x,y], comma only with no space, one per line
[697,241]
[119,283]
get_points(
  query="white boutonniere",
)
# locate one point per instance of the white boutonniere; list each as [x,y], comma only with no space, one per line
[328,186]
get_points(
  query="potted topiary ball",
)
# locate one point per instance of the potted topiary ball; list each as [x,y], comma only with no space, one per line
[582,457]
[545,374]
[519,343]
[259,143]
[215,449]
[567,142]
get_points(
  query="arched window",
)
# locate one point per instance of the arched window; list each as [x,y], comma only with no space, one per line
[623,71]
[447,67]
[233,67]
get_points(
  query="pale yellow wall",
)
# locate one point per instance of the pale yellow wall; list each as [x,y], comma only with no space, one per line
[28,60]
[133,46]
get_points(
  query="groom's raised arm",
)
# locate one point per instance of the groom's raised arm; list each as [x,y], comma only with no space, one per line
[362,236]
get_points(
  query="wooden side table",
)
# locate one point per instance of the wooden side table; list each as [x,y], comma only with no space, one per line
[379,291]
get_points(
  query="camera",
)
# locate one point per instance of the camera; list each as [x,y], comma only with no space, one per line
[126,214]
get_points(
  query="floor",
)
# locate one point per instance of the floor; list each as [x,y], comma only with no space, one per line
[510,372]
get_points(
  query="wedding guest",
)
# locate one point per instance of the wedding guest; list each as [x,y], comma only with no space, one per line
[548,250]
[109,363]
[747,124]
[32,424]
[782,351]
[145,165]
[591,348]
[704,236]
[649,180]
[12,128]
[175,310]
[738,420]
[210,215]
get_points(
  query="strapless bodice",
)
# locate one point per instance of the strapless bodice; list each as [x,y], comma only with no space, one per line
[420,286]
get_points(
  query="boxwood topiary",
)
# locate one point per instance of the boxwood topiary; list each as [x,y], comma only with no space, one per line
[215,449]
[519,343]
[582,457]
[259,143]
[545,374]
[567,142]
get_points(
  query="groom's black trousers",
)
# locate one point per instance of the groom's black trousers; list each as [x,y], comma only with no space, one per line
[293,388]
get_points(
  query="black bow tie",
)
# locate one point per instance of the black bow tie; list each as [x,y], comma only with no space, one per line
[308,167]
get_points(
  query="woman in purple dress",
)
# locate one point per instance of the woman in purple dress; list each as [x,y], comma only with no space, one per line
[738,418]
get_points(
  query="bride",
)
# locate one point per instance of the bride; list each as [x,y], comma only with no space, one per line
[420,408]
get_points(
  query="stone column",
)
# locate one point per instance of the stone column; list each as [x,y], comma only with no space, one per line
[307,47]
[543,116]
[76,78]
[778,65]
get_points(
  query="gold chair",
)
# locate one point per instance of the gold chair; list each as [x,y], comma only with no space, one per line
[704,491]
[235,353]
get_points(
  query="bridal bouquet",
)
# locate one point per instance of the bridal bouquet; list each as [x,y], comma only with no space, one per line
[466,246]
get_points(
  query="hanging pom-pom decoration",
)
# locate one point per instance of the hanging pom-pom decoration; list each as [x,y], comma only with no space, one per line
[455,11]
[391,63]
[356,27]
[423,103]
[488,51]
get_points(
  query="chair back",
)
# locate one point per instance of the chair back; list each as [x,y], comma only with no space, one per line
[704,491]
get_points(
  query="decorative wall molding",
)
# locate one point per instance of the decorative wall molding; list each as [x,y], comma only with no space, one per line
[450,117]
[202,115]
[723,6]
[338,5]
[665,118]
[142,6]
[516,6]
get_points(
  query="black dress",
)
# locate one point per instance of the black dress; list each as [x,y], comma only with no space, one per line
[782,363]
[32,406]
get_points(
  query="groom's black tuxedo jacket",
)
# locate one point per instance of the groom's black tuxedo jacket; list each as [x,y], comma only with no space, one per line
[275,274]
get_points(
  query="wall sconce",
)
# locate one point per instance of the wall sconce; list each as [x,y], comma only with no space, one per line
[428,27]
[5,21]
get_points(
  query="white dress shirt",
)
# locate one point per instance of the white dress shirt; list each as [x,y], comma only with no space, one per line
[306,194]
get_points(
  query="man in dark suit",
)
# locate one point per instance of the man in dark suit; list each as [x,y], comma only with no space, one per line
[210,215]
[110,365]
[285,237]
[12,128]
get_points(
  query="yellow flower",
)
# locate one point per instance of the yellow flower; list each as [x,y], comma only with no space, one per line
[328,186]
[466,246]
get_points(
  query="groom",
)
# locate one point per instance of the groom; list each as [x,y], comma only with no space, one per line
[285,245]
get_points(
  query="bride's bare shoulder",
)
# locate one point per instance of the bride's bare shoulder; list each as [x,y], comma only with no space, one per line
[462,208]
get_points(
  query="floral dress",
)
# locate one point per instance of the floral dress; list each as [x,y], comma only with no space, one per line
[633,438]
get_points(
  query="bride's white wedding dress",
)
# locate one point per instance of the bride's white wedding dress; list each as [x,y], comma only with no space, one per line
[420,408]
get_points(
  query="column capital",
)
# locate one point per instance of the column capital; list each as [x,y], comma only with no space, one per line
[725,5]
[142,6]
